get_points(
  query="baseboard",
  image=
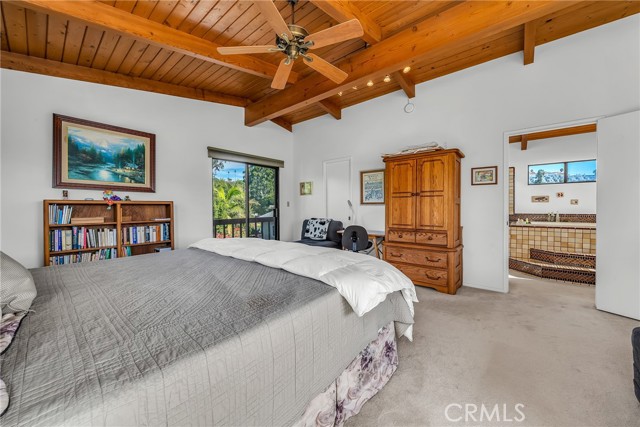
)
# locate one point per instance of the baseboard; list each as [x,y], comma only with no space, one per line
[486,288]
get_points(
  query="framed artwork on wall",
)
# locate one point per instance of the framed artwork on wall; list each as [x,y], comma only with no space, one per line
[94,155]
[487,175]
[306,188]
[372,187]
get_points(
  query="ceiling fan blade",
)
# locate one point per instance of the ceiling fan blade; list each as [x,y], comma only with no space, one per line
[336,34]
[282,74]
[239,50]
[271,13]
[326,69]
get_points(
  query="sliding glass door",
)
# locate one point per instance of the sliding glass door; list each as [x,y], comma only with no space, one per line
[245,200]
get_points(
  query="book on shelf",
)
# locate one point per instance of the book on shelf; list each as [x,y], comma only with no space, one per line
[145,234]
[109,253]
[81,238]
[88,220]
[60,215]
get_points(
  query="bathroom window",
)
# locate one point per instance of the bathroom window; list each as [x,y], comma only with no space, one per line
[563,172]
[583,171]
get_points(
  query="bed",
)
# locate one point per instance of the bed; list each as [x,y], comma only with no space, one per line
[192,337]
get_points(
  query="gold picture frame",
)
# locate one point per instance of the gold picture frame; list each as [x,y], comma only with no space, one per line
[306,188]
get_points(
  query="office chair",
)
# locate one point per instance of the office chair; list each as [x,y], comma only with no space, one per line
[355,238]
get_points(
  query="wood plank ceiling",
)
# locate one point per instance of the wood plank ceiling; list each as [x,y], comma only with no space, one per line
[169,46]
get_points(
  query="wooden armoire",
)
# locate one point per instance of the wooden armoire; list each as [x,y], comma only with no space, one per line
[423,235]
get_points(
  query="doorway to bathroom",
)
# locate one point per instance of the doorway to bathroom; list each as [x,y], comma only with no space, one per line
[616,237]
[552,203]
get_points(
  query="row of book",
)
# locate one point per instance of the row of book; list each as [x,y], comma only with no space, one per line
[60,215]
[145,234]
[83,257]
[81,238]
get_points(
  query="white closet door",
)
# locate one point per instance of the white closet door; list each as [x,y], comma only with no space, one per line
[618,215]
[337,178]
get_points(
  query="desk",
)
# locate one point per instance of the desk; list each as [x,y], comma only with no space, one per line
[377,237]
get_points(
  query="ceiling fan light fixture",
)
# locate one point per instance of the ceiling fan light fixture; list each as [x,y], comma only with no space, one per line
[387,78]
[406,69]
[370,83]
[294,41]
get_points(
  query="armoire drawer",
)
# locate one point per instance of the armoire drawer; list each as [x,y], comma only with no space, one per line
[421,274]
[417,256]
[432,237]
[402,236]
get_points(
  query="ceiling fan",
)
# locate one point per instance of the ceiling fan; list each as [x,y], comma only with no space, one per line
[294,41]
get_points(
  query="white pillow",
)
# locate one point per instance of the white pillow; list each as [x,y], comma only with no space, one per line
[317,228]
[17,289]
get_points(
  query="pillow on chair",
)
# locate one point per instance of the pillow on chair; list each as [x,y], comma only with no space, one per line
[317,228]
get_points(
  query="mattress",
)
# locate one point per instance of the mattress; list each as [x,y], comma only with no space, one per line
[182,337]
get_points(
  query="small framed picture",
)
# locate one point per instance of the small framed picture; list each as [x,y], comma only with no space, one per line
[306,188]
[372,187]
[484,176]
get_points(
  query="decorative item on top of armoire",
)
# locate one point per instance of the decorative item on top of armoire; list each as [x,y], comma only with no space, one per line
[95,155]
[423,232]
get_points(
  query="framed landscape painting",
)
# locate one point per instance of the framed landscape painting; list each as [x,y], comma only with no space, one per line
[484,176]
[98,156]
[372,187]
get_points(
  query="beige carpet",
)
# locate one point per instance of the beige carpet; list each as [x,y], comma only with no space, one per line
[543,345]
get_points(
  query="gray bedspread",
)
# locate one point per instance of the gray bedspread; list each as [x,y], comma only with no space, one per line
[180,338]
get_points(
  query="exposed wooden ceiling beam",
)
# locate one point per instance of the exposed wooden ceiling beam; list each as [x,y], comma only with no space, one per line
[283,123]
[343,11]
[405,83]
[529,42]
[424,41]
[14,61]
[331,108]
[128,24]
[554,133]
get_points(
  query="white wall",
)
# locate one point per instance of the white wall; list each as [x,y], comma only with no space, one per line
[585,75]
[552,150]
[618,232]
[184,128]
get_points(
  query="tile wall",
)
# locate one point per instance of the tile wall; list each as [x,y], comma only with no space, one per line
[566,240]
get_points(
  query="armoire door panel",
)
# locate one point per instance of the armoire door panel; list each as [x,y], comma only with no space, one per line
[431,175]
[431,211]
[402,177]
[402,210]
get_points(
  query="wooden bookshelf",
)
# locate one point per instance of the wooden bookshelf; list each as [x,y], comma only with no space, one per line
[126,229]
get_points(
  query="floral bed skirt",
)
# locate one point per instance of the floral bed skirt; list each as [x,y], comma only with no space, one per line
[359,382]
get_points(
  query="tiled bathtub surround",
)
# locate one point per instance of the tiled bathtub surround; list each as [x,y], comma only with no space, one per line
[563,217]
[575,260]
[565,273]
[567,240]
